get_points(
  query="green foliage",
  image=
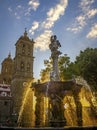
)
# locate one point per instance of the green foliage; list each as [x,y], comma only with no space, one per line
[45,73]
[64,62]
[85,65]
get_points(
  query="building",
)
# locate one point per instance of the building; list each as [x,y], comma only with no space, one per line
[23,61]
[6,70]
[17,72]
[23,69]
[5,103]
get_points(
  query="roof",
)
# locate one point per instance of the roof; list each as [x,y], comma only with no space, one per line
[5,90]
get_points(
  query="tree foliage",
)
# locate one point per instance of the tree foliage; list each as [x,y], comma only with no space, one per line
[45,73]
[85,65]
[64,62]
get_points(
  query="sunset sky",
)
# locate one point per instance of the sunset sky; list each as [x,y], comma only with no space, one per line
[74,22]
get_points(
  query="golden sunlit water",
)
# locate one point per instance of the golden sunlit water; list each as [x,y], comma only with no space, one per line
[27,110]
[89,116]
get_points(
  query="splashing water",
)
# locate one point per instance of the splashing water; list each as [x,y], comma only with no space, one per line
[86,98]
[89,106]
[47,87]
[24,101]
[83,82]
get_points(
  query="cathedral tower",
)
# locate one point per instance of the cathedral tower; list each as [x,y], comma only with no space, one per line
[23,69]
[23,61]
[7,70]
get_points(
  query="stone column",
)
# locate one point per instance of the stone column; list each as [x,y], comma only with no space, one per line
[78,110]
[39,110]
[57,118]
[54,55]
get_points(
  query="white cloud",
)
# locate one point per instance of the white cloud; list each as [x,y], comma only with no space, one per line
[35,25]
[81,20]
[17,12]
[54,14]
[19,7]
[42,42]
[86,4]
[33,5]
[91,13]
[24,10]
[10,9]
[93,32]
[86,14]
[74,29]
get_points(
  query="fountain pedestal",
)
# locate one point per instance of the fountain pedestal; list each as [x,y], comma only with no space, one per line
[56,118]
[55,92]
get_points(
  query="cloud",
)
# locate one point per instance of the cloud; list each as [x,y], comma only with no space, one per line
[42,42]
[54,13]
[91,13]
[86,14]
[33,5]
[35,25]
[17,12]
[10,9]
[86,3]
[21,11]
[19,7]
[81,20]
[93,32]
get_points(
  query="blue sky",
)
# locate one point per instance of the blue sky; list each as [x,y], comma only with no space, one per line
[74,22]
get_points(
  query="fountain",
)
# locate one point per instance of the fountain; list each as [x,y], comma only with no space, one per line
[58,103]
[54,92]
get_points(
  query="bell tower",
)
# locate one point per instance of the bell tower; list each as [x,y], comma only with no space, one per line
[23,61]
[23,68]
[7,70]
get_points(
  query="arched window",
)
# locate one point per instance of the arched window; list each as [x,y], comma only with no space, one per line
[29,50]
[22,66]
[28,67]
[6,70]
[23,49]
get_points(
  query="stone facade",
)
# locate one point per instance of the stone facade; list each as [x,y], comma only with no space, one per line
[6,70]
[23,69]
[23,61]
[17,72]
[5,103]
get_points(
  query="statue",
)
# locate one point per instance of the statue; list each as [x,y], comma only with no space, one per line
[55,110]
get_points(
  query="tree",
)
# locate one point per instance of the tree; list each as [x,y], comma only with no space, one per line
[64,62]
[87,64]
[45,73]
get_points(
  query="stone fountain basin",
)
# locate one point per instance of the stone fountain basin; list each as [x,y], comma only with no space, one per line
[65,87]
[51,128]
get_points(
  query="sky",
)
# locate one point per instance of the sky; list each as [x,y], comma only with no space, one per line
[74,22]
